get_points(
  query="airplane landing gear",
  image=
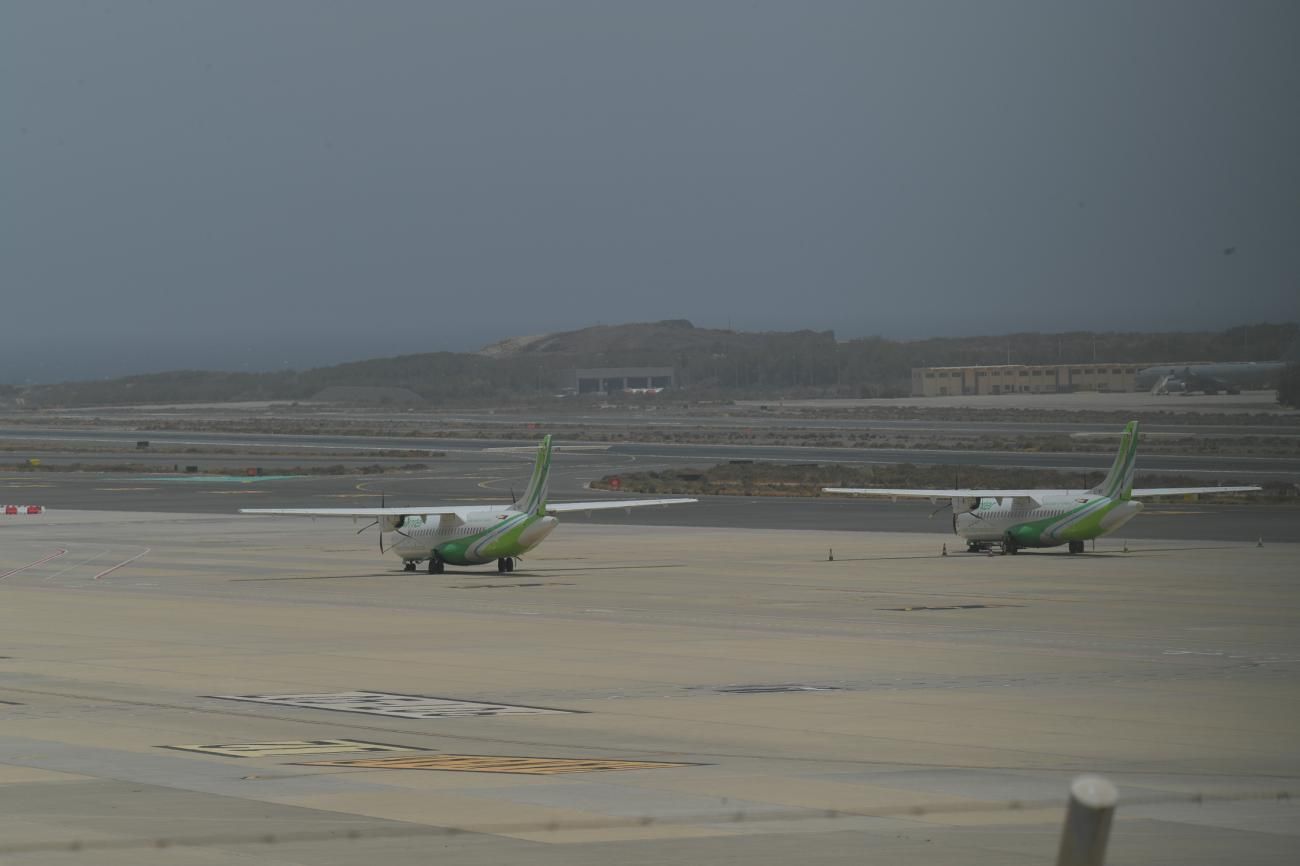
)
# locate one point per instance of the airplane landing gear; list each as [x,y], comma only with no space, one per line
[505,564]
[1076,547]
[409,565]
[436,565]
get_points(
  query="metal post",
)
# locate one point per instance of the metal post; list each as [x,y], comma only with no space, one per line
[1087,822]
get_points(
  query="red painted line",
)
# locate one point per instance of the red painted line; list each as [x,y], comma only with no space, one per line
[60,552]
[122,563]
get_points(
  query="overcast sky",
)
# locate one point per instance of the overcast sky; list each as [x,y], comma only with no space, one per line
[266,183]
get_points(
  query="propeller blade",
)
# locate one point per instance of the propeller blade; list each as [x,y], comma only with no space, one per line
[367,526]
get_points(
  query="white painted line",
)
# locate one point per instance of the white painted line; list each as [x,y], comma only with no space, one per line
[389,704]
[124,562]
[56,555]
[77,565]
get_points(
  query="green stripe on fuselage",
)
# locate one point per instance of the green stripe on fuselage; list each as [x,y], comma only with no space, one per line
[492,543]
[1077,524]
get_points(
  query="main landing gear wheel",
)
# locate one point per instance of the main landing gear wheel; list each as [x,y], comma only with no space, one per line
[505,564]
[436,565]
[1010,546]
[1076,547]
[409,565]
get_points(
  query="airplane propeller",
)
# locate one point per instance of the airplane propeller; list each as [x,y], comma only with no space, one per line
[956,485]
[398,529]
[375,522]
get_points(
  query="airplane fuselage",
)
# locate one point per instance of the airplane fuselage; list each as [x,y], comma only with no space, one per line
[1070,517]
[477,538]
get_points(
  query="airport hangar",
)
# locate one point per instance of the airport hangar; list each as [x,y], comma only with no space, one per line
[612,380]
[1023,379]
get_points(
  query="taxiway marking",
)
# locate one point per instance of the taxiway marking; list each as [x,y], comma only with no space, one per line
[122,563]
[498,764]
[389,704]
[54,555]
[284,748]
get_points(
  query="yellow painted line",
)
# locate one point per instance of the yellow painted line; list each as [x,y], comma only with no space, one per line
[283,748]
[497,764]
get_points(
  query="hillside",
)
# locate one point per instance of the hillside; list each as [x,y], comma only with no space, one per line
[710,362]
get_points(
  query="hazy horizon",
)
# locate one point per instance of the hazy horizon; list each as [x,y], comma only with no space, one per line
[251,186]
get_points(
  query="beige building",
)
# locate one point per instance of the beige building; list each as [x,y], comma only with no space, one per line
[1023,379]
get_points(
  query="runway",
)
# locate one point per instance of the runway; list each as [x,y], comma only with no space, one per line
[480,478]
[280,449]
[195,679]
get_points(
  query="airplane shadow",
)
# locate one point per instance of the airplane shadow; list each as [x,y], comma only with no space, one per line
[457,573]
[314,577]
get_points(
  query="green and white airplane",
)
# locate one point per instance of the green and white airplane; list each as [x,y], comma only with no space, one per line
[1015,519]
[445,535]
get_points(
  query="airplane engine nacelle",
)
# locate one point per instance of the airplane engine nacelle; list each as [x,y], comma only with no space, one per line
[392,524]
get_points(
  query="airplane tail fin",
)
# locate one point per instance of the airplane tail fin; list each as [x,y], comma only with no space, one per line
[1118,483]
[534,499]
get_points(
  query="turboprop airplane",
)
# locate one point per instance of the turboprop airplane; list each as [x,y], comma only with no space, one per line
[445,535]
[1015,519]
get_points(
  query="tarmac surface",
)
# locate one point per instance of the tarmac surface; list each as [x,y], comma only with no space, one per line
[194,679]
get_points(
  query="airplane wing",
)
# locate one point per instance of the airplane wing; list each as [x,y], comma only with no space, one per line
[1036,495]
[1187,491]
[908,493]
[430,510]
[562,507]
[403,511]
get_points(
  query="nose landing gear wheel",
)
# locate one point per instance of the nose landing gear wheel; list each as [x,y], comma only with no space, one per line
[1076,547]
[409,565]
[436,565]
[505,564]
